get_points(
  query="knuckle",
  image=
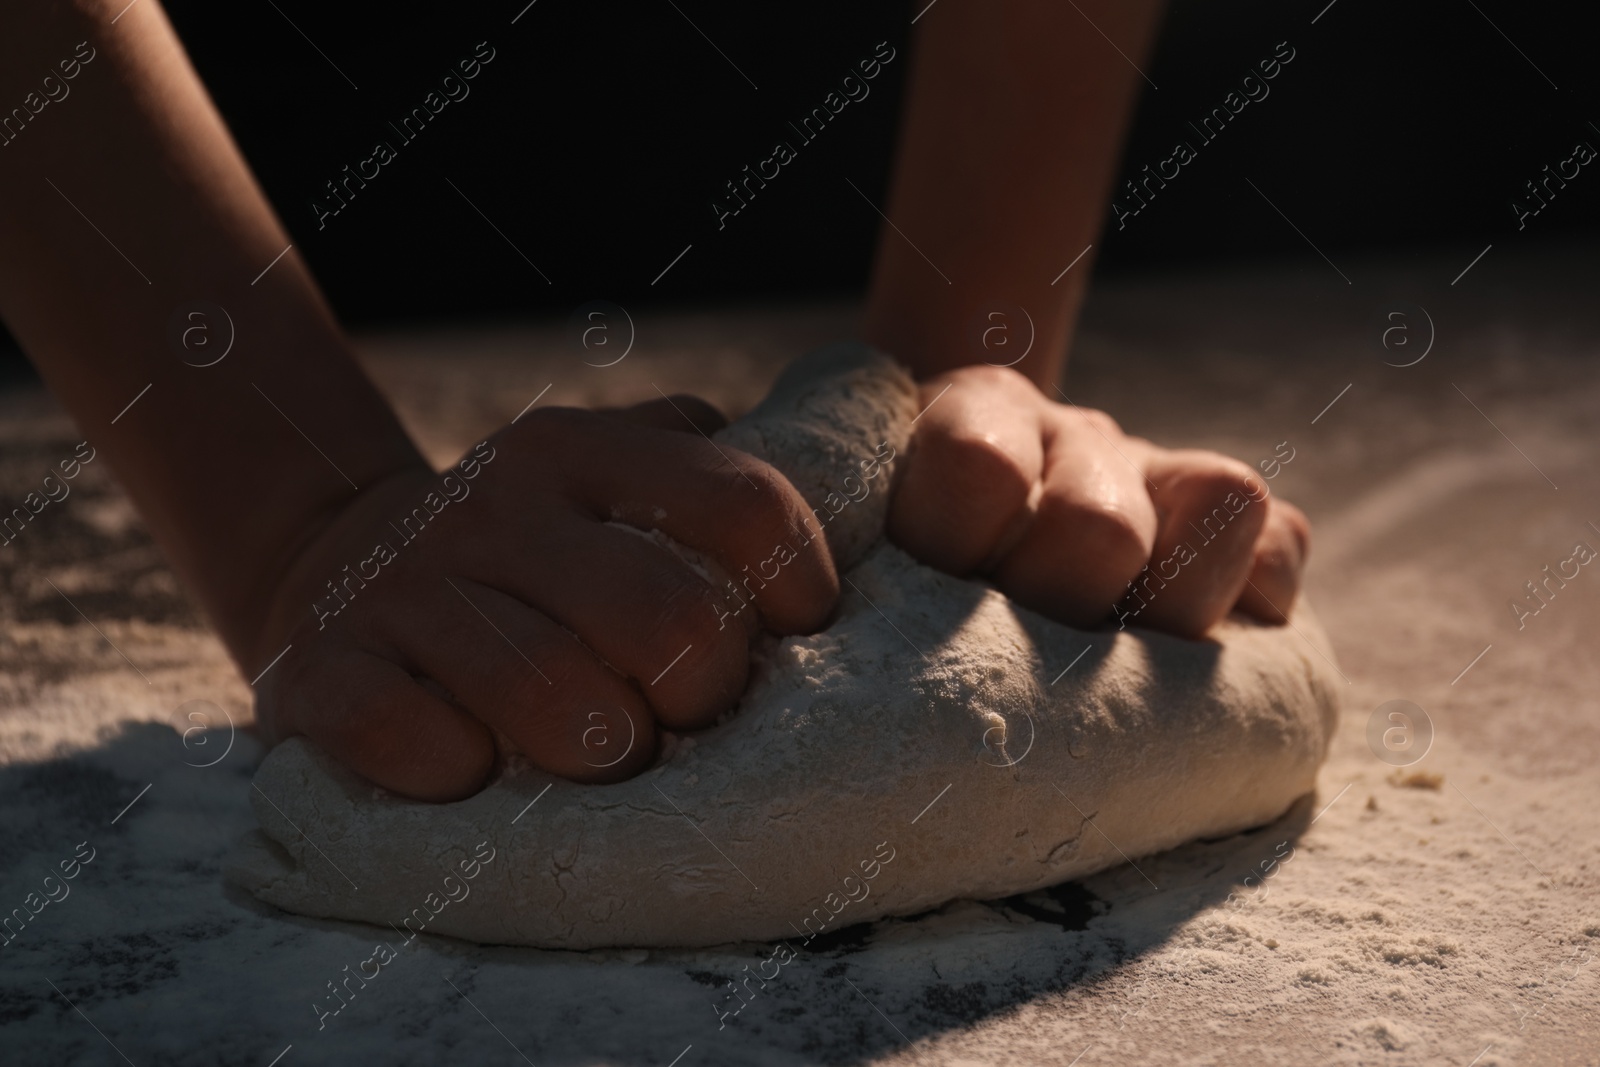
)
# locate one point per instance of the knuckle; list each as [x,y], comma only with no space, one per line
[1294,519]
[980,463]
[1102,422]
[550,427]
[564,664]
[700,414]
[1295,526]
[554,418]
[697,666]
[1213,477]
[513,685]
[987,376]
[1108,532]
[549,443]
[685,616]
[360,728]
[766,502]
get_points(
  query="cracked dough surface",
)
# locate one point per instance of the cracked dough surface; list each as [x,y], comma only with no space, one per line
[933,720]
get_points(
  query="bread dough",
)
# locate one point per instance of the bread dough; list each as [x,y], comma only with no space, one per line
[935,742]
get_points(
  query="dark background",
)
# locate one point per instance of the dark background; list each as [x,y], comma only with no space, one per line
[598,136]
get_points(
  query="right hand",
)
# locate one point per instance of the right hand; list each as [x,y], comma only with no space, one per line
[518,608]
[1064,512]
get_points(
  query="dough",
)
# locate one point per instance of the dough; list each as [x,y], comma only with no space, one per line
[935,742]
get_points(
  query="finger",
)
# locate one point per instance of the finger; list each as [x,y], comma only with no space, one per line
[372,716]
[971,477]
[716,499]
[1212,511]
[1095,524]
[519,672]
[638,606]
[1279,560]
[681,412]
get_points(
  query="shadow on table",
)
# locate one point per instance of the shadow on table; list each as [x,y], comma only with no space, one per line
[851,996]
[871,989]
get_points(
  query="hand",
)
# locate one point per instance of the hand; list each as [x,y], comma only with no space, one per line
[502,596]
[1063,510]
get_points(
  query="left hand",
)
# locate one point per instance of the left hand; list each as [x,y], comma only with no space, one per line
[1062,510]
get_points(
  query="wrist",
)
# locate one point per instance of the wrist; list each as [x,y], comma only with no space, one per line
[934,330]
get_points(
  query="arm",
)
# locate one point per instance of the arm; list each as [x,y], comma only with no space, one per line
[1012,132]
[414,610]
[229,487]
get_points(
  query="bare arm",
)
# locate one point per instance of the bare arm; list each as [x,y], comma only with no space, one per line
[1013,126]
[122,199]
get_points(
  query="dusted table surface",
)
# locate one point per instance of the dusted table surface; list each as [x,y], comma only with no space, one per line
[1431,914]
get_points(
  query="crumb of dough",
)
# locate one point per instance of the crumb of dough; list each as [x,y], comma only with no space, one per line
[1417,780]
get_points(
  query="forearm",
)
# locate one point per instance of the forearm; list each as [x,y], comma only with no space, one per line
[123,200]
[1014,120]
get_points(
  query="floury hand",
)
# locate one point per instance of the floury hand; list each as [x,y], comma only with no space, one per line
[522,607]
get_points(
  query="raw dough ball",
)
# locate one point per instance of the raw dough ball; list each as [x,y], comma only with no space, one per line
[926,746]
